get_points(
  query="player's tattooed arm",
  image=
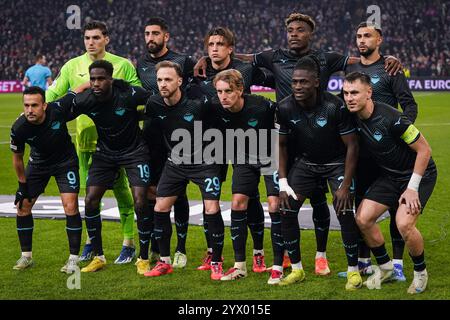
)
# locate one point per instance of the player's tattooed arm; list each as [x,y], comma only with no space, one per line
[343,198]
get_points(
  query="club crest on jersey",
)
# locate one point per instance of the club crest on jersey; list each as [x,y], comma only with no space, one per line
[120,111]
[377,135]
[188,117]
[252,122]
[321,121]
[56,125]
[374,79]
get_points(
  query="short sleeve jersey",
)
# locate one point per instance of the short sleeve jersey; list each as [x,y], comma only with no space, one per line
[391,90]
[183,116]
[50,141]
[386,135]
[317,132]
[116,119]
[257,115]
[147,73]
[281,63]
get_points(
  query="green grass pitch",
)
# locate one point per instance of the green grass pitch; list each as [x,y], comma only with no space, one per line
[50,248]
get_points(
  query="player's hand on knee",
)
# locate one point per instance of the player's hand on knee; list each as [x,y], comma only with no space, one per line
[343,200]
[22,194]
[410,198]
[285,192]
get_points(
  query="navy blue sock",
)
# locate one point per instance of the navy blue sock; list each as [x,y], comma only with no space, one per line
[73,230]
[25,226]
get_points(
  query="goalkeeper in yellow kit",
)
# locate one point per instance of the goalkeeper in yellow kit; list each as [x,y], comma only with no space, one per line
[73,74]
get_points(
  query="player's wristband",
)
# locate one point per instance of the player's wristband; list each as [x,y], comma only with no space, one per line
[414,182]
[283,183]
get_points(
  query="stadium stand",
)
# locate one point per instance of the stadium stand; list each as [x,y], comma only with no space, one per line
[417,34]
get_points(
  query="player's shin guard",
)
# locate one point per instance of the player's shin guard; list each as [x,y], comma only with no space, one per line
[73,229]
[363,248]
[206,229]
[94,229]
[419,262]
[350,235]
[290,230]
[163,232]
[144,226]
[321,219]
[217,231]
[277,238]
[124,199]
[151,215]
[25,226]
[239,233]
[255,220]
[181,208]
[398,244]
[380,254]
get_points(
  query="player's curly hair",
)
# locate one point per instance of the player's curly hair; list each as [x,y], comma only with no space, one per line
[295,16]
[102,64]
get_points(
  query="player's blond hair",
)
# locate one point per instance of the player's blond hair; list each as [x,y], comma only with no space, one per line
[295,16]
[232,77]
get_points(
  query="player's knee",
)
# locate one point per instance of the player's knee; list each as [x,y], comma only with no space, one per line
[362,221]
[318,198]
[212,207]
[405,228]
[239,204]
[23,212]
[139,206]
[274,204]
[91,203]
[70,208]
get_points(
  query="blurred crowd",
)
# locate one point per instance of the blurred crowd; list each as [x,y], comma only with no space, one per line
[417,32]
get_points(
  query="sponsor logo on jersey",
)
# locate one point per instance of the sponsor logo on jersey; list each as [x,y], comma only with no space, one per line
[295,121]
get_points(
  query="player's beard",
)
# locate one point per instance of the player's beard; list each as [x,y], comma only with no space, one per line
[157,47]
[367,53]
